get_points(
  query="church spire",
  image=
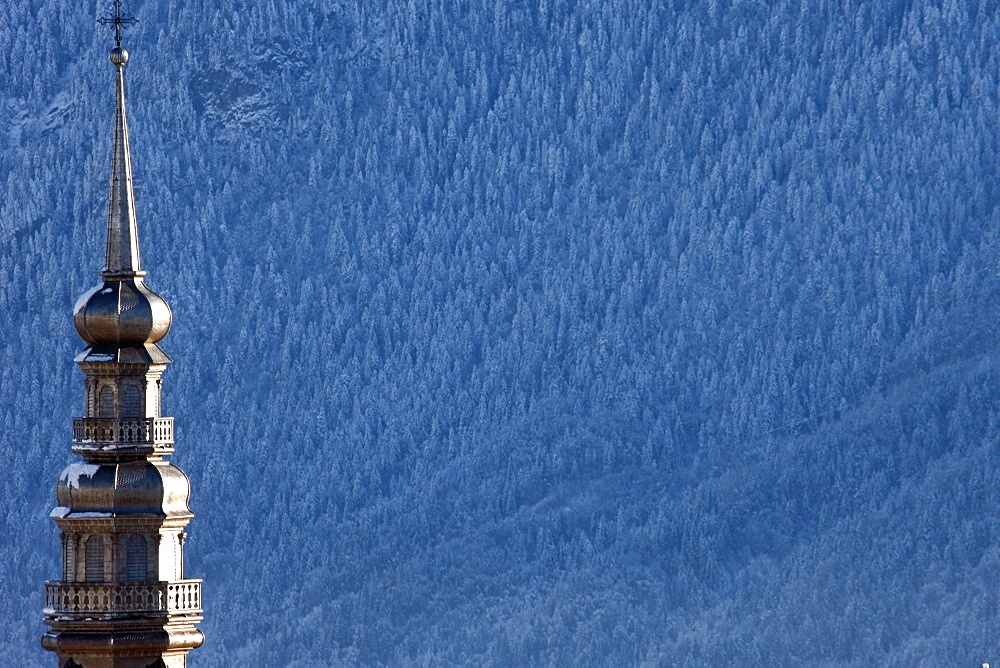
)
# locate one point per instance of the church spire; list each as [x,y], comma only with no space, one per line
[122,254]
[122,312]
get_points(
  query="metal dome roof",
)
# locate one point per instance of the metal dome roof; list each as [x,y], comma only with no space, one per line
[121,312]
[157,489]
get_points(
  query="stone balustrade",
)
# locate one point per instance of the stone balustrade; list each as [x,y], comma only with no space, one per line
[101,599]
[98,432]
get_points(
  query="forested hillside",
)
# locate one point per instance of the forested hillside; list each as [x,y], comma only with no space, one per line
[549,332]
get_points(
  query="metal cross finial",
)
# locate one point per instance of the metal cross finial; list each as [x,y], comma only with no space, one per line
[118,20]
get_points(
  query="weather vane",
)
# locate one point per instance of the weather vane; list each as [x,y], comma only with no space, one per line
[118,20]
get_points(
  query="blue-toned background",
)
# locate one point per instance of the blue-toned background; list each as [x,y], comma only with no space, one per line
[543,332]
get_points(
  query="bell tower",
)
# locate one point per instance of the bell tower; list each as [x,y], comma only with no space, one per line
[122,600]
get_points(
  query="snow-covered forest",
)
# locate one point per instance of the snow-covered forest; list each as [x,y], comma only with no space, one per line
[551,332]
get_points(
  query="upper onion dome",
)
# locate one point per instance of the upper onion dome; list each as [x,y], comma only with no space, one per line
[121,312]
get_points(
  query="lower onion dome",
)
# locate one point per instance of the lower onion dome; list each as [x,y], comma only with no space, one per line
[135,488]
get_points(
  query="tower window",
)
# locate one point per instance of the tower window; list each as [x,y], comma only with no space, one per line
[132,404]
[95,559]
[106,401]
[135,558]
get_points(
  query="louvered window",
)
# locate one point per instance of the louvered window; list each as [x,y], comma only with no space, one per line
[107,402]
[95,559]
[132,405]
[135,559]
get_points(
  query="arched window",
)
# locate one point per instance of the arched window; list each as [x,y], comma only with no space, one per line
[106,402]
[135,558]
[132,404]
[95,559]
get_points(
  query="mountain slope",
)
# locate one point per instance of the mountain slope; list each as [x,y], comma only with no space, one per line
[589,332]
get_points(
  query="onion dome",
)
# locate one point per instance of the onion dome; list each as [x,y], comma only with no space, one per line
[122,311]
[133,488]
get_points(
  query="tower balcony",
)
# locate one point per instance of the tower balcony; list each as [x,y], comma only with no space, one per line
[78,601]
[112,436]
